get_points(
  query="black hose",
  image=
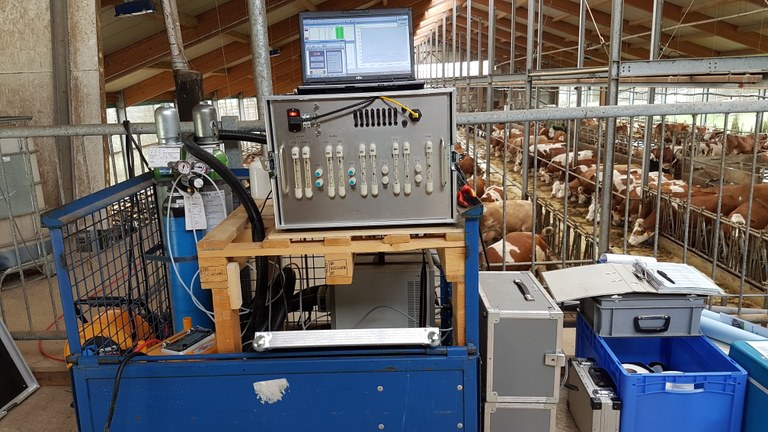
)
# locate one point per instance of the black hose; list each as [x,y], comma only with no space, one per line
[231,135]
[116,388]
[258,317]
[285,290]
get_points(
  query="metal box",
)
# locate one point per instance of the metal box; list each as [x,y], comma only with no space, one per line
[360,159]
[592,398]
[631,315]
[520,338]
[385,295]
[519,417]
[16,380]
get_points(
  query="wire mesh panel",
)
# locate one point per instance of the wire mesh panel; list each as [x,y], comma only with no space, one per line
[112,277]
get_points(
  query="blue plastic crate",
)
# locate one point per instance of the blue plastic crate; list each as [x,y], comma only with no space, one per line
[756,402]
[707,396]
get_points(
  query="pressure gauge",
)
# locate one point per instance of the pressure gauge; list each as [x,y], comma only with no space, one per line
[184,167]
[199,167]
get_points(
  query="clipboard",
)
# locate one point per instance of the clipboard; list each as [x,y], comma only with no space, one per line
[610,279]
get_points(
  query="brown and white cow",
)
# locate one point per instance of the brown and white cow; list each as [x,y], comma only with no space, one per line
[555,169]
[493,194]
[518,214]
[645,227]
[758,218]
[518,247]
[467,166]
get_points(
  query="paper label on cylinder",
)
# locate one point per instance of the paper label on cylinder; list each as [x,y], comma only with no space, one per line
[213,203]
[194,212]
[160,156]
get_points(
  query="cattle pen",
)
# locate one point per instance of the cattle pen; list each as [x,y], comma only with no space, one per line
[731,252]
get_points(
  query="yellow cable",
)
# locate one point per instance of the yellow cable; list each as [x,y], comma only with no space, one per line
[413,113]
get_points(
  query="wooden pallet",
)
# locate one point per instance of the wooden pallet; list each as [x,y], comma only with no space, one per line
[224,250]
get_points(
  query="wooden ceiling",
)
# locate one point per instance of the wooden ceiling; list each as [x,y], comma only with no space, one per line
[216,37]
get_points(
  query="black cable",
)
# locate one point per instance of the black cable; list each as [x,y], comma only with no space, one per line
[258,318]
[130,138]
[233,135]
[264,204]
[354,105]
[116,387]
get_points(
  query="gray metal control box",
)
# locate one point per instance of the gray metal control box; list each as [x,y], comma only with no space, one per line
[520,336]
[363,159]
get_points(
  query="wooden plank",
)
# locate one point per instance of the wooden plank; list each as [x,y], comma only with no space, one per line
[337,241]
[459,313]
[227,323]
[276,244]
[213,271]
[454,236]
[339,268]
[250,249]
[225,232]
[397,239]
[452,261]
[420,231]
[233,286]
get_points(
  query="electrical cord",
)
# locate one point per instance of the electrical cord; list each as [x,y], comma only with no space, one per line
[116,388]
[129,138]
[415,114]
[345,108]
[385,307]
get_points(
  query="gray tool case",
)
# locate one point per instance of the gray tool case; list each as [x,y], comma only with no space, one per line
[632,315]
[592,399]
[519,417]
[520,336]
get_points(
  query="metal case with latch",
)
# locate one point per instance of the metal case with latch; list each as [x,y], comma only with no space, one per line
[520,336]
[592,398]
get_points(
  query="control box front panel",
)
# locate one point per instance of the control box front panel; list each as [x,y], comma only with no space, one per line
[363,159]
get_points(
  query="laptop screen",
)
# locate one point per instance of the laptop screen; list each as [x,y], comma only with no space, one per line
[358,46]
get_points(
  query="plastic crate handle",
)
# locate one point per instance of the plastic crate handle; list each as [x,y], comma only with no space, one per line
[639,327]
[672,387]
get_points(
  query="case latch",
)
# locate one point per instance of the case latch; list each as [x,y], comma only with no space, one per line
[555,359]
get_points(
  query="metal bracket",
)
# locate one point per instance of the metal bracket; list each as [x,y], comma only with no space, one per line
[555,359]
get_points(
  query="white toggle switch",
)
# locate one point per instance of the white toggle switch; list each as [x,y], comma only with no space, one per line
[417,168]
[307,171]
[340,162]
[407,169]
[430,178]
[297,190]
[396,168]
[329,164]
[385,170]
[374,174]
[418,178]
[363,170]
[385,180]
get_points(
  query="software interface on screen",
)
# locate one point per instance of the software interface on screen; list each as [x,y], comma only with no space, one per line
[356,47]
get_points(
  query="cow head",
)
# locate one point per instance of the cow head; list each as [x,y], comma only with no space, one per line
[558,189]
[582,196]
[639,233]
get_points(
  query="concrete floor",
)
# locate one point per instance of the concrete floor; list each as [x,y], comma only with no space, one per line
[48,409]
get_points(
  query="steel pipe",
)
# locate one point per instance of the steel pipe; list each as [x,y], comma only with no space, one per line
[106,129]
[262,72]
[606,111]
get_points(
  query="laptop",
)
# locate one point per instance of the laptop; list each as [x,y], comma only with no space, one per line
[357,51]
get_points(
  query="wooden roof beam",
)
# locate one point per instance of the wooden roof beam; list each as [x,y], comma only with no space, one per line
[719,28]
[629,28]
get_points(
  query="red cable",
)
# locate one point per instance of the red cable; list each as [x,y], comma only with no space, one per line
[147,343]
[40,343]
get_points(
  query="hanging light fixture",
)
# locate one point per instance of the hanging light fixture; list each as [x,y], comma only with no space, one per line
[134,7]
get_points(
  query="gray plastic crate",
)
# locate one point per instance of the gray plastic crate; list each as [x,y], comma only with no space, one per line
[631,315]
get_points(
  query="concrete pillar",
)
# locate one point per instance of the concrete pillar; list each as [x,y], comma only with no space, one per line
[27,86]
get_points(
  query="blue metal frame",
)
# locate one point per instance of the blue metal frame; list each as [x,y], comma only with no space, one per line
[334,390]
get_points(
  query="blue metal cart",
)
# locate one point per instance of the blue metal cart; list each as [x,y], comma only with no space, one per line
[113,278]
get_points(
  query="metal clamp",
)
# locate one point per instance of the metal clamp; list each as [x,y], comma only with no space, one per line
[555,359]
